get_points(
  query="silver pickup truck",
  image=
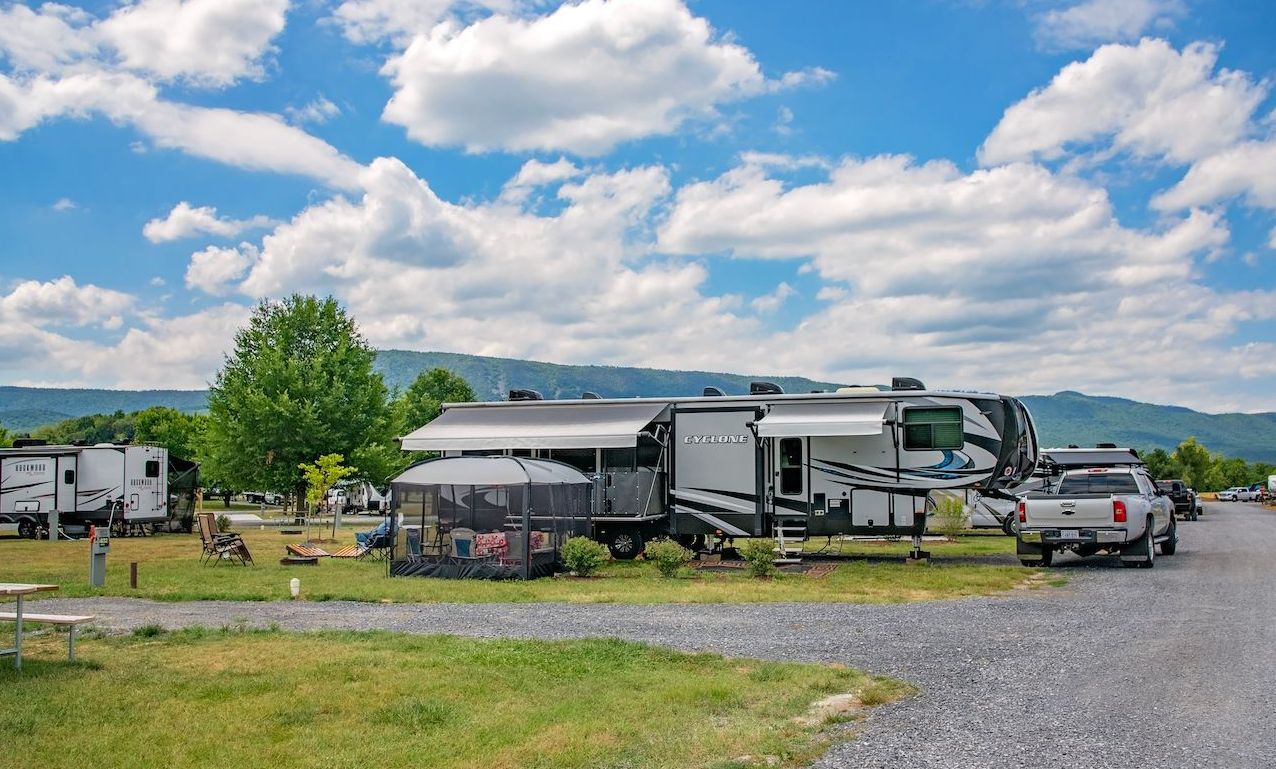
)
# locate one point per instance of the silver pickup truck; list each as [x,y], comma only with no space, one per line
[1108,509]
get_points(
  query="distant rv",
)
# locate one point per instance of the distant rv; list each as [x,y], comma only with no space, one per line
[83,485]
[705,469]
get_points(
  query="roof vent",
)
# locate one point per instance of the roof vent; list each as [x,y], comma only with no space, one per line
[1105,445]
[906,383]
[713,392]
[590,395]
[525,395]
[765,388]
[22,443]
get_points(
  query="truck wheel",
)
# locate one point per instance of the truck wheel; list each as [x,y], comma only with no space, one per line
[1172,540]
[1146,546]
[1047,556]
[1009,525]
[625,545]
[26,528]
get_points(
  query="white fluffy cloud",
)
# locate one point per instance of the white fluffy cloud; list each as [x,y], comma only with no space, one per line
[63,302]
[319,110]
[186,221]
[214,269]
[1147,99]
[1090,22]
[250,140]
[206,42]
[581,79]
[1247,170]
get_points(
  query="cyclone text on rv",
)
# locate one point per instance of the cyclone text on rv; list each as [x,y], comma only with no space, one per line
[705,469]
[105,483]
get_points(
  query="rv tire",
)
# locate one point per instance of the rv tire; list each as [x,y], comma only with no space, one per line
[26,528]
[625,544]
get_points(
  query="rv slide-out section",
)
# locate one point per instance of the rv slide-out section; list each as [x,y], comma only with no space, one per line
[817,464]
[83,485]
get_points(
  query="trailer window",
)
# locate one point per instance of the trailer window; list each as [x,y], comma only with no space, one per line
[152,468]
[68,477]
[933,428]
[791,466]
[619,460]
[584,460]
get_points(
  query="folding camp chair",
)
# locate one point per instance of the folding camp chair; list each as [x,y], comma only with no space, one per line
[221,546]
[376,548]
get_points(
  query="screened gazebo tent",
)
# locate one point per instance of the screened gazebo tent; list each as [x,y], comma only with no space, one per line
[493,517]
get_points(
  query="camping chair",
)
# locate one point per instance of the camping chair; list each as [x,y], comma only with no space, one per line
[221,546]
[463,543]
[376,547]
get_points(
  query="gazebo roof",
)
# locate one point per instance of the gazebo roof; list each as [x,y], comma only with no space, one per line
[489,471]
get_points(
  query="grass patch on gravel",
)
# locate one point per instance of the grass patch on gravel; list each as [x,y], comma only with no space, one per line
[269,699]
[170,570]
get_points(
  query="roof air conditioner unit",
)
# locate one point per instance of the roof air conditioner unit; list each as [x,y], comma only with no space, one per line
[525,395]
[590,395]
[713,392]
[765,388]
[906,383]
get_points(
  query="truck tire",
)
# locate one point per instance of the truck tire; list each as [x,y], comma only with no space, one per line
[1171,542]
[26,528]
[624,544]
[1145,546]
[1046,558]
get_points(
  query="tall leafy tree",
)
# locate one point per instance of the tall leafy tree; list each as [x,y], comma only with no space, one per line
[298,385]
[178,432]
[423,401]
[6,440]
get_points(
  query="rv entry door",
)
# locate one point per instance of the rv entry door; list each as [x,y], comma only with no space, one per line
[789,478]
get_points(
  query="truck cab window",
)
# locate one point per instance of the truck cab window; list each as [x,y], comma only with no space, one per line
[791,466]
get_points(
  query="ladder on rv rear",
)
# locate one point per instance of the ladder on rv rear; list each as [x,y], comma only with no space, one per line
[790,534]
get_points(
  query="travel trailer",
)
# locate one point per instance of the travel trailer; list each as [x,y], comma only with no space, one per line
[43,487]
[790,466]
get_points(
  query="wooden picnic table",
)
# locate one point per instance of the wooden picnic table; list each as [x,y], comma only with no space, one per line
[19,590]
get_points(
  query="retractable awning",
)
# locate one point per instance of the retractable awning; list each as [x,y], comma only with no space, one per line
[535,426]
[794,420]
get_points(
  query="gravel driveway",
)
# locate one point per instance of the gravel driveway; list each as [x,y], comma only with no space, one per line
[1173,667]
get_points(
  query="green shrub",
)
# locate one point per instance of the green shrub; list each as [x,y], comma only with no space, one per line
[950,517]
[223,523]
[760,555]
[584,556]
[668,555]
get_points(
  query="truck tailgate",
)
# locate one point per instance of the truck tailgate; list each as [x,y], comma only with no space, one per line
[1072,511]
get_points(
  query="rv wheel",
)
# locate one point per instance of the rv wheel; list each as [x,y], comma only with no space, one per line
[625,545]
[26,528]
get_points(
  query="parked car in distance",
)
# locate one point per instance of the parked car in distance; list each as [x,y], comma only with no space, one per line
[1250,494]
[1229,495]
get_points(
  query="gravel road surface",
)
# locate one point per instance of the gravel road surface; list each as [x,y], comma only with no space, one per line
[1169,667]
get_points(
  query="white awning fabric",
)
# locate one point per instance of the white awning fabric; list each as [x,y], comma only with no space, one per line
[535,426]
[488,471]
[795,420]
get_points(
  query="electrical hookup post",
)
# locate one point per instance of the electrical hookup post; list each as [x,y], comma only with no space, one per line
[99,543]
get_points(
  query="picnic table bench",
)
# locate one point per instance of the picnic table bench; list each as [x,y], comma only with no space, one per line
[67,620]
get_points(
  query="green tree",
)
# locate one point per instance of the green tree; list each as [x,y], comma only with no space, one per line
[320,477]
[176,431]
[422,402]
[298,385]
[6,440]
[1160,464]
[1195,462]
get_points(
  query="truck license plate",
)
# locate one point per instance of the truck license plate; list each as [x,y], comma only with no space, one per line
[1067,534]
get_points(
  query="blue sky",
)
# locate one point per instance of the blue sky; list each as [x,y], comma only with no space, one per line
[1021,196]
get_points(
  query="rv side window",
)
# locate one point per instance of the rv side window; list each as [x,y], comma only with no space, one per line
[791,466]
[152,468]
[68,477]
[933,428]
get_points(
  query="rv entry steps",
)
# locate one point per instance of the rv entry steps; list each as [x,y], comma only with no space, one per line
[790,534]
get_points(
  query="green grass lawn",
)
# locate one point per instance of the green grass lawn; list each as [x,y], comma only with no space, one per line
[169,569]
[268,699]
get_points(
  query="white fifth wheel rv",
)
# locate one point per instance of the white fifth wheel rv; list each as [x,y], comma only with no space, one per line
[705,469]
[105,483]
